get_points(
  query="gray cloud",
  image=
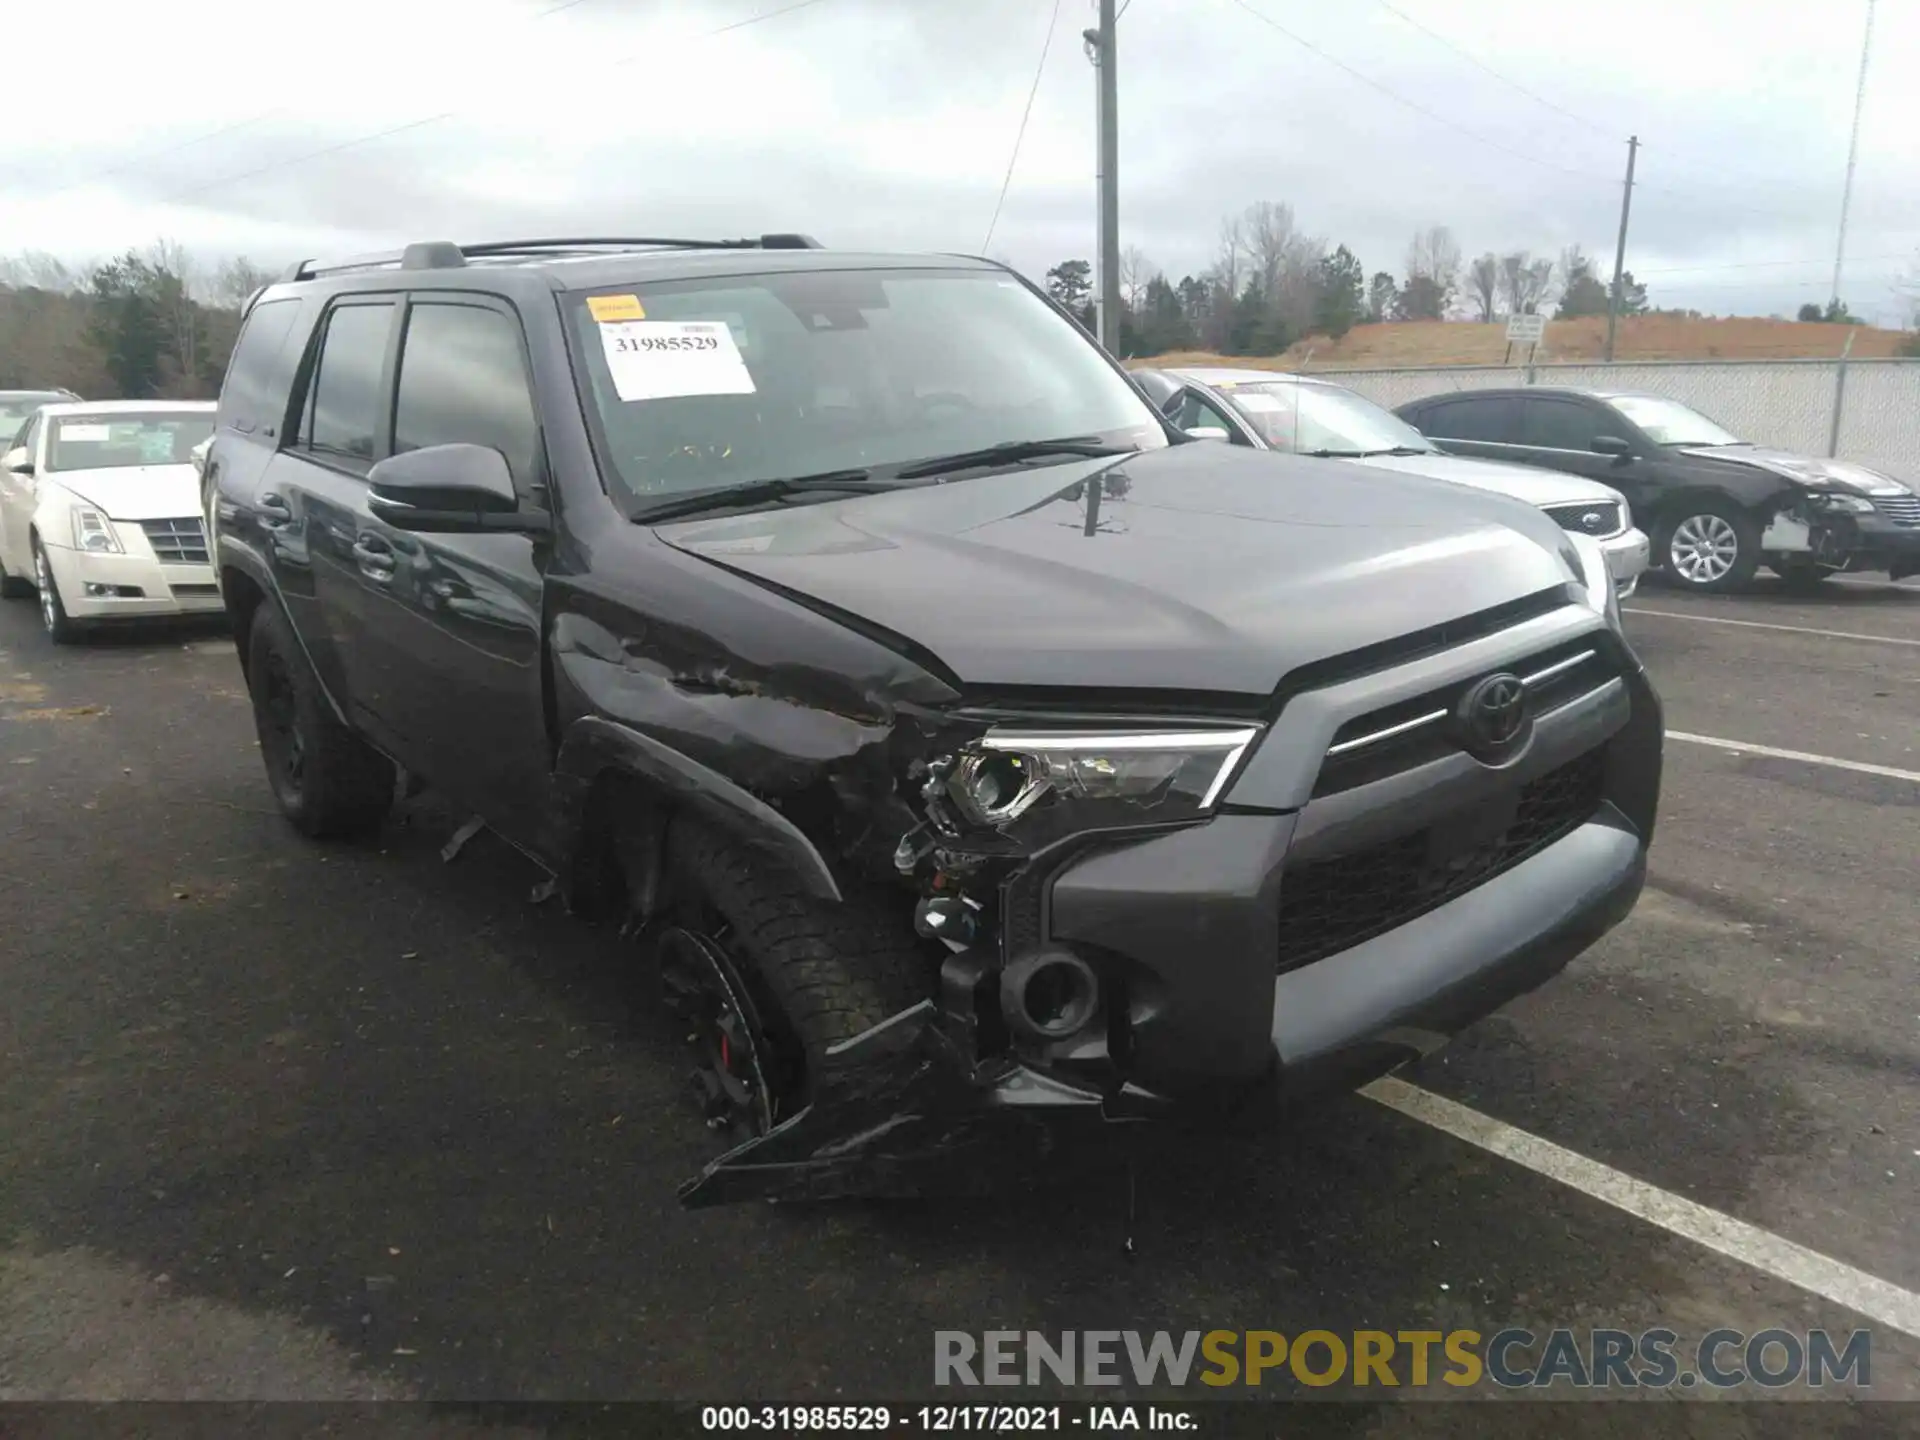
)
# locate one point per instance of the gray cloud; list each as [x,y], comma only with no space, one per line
[887,123]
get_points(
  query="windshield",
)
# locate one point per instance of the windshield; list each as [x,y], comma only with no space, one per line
[112,442]
[1303,419]
[729,381]
[16,410]
[1668,422]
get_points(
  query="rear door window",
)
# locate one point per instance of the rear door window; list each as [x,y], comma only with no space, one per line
[342,419]
[254,393]
[1491,418]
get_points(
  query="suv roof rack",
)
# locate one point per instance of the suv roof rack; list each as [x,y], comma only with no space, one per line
[445,255]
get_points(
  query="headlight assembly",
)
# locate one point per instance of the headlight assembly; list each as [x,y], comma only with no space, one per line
[1838,500]
[93,532]
[1596,576]
[1101,777]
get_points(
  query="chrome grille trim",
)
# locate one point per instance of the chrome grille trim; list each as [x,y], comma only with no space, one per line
[180,541]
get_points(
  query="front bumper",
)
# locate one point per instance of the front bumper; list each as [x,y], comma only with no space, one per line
[1628,555]
[1205,1016]
[96,586]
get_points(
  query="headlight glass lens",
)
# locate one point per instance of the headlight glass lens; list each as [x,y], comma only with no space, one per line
[1117,777]
[1836,500]
[92,531]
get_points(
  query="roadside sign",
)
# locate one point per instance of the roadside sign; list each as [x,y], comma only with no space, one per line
[1526,329]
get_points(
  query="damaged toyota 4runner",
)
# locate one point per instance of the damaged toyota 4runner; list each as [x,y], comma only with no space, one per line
[977,760]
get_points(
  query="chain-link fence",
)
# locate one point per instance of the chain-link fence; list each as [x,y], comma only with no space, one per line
[1864,410]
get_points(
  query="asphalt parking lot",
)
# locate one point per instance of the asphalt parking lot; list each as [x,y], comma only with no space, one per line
[286,1121]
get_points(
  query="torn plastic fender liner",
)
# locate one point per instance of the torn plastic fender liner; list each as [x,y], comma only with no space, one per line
[593,746]
[899,1111]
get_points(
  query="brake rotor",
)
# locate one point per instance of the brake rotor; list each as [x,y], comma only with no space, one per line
[707,995]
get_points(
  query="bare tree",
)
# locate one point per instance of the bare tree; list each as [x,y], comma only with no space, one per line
[38,270]
[175,272]
[234,281]
[1285,262]
[1136,273]
[1525,283]
[1483,286]
[1433,275]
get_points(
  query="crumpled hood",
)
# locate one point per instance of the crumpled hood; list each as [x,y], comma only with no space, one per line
[1530,483]
[1200,567]
[1804,469]
[134,492]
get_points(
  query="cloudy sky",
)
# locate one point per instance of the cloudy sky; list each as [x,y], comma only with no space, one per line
[258,127]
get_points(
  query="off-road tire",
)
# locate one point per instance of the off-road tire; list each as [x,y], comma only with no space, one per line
[343,787]
[832,971]
[1745,532]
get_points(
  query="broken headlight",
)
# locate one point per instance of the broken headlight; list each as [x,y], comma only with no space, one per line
[1102,776]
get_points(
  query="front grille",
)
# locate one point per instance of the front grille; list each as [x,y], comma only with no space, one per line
[1413,732]
[194,592]
[177,542]
[1332,905]
[1901,509]
[1600,519]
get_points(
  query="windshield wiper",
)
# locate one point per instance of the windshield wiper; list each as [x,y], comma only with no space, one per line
[1012,452]
[760,492]
[1367,454]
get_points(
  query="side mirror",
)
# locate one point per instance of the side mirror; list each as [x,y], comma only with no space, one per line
[1208,432]
[1610,445]
[19,462]
[450,489]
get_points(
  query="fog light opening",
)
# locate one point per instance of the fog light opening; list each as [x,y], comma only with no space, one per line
[1050,996]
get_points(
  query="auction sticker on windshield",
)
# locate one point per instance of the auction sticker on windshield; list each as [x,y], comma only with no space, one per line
[82,434]
[667,359]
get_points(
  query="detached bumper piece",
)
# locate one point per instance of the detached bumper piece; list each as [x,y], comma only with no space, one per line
[902,1111]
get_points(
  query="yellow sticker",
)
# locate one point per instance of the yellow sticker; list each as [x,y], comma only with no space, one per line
[610,309]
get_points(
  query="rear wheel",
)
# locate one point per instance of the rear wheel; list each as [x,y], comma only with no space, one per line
[1710,545]
[764,978]
[329,782]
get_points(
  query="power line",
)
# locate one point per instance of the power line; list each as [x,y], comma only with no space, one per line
[426,120]
[145,156]
[1765,264]
[1413,105]
[1021,134]
[1471,134]
[1608,130]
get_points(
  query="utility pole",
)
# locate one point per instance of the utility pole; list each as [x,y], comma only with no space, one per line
[1620,249]
[1853,155]
[1102,49]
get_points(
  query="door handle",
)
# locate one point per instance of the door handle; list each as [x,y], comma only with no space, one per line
[375,557]
[275,513]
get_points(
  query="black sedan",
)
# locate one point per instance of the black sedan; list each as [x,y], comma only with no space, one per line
[1718,507]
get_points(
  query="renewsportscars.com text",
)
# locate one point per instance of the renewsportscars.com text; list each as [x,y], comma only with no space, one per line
[1513,1358]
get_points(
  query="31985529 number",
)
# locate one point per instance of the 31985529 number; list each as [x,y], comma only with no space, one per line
[782,1418]
[657,344]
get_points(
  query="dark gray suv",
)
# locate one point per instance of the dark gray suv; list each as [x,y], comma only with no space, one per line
[973,757]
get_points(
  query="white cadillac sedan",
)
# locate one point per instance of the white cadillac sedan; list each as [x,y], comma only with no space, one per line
[100,513]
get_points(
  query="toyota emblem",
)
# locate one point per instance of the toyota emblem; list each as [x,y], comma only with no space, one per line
[1494,717]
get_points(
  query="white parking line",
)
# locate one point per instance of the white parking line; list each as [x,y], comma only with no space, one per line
[1879,1300]
[1805,757]
[1763,625]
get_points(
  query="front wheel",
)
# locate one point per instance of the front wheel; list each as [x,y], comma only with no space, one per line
[764,978]
[60,626]
[1711,546]
[329,782]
